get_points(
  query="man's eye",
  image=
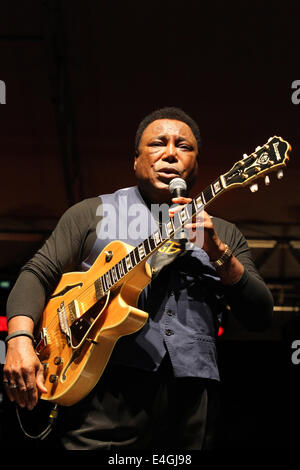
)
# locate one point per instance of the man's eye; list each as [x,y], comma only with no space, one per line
[185,146]
[156,144]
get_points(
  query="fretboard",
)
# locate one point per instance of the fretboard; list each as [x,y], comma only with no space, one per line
[164,233]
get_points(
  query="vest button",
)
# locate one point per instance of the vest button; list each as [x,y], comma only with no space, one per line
[170,312]
[169,332]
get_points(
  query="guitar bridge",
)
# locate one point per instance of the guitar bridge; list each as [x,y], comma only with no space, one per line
[63,322]
[43,341]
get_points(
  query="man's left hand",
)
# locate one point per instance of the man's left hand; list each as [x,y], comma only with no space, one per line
[201,230]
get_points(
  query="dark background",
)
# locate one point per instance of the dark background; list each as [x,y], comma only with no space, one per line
[79,77]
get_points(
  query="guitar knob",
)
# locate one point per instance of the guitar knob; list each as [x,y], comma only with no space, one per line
[267,180]
[58,361]
[53,378]
[254,188]
[108,255]
[280,174]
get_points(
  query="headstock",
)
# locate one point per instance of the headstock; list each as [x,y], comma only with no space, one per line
[272,156]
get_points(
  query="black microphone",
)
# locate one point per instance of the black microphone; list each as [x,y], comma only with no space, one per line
[177,188]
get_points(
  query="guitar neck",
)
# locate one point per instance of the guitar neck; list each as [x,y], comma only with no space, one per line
[165,232]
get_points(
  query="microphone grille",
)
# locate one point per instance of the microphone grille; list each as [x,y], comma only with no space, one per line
[177,183]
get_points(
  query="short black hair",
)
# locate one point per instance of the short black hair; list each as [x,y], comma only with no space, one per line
[169,112]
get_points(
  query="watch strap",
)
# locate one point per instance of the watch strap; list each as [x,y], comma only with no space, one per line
[19,333]
[223,259]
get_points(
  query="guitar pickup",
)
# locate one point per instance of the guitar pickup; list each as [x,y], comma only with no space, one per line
[74,310]
[99,289]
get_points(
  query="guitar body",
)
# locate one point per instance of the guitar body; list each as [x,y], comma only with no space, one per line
[74,362]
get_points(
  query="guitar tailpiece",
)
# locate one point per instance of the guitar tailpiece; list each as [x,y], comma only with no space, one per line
[51,421]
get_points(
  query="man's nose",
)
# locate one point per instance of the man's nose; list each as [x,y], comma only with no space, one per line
[170,153]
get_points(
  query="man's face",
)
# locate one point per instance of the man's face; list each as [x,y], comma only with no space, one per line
[168,149]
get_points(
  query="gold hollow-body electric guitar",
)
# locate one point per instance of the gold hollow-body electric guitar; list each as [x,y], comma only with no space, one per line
[89,311]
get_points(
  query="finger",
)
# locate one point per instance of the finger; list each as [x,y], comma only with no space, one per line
[9,391]
[195,224]
[200,217]
[21,393]
[11,388]
[192,231]
[34,382]
[19,390]
[196,231]
[30,391]
[40,380]
[31,396]
[181,200]
[174,210]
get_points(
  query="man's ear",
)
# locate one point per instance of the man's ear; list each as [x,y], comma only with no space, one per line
[135,160]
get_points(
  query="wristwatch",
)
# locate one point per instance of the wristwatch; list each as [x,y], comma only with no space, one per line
[223,259]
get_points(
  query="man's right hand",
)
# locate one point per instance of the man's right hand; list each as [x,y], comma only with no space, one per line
[23,373]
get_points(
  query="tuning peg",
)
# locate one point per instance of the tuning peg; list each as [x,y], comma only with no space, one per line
[245,155]
[254,188]
[279,174]
[257,148]
[267,180]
